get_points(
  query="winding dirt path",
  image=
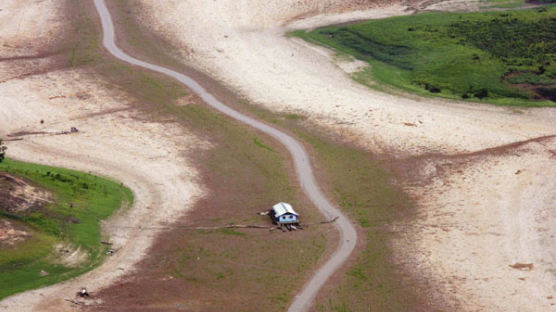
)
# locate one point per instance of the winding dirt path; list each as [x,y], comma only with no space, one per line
[348,234]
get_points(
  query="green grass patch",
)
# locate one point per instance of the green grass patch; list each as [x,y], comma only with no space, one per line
[502,4]
[495,57]
[262,145]
[81,202]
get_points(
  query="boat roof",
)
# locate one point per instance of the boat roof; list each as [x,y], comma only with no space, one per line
[283,208]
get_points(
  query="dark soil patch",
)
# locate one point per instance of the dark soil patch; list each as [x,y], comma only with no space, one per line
[540,2]
[410,168]
[16,194]
[25,133]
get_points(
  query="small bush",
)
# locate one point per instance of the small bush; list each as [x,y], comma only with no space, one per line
[481,94]
[3,149]
[549,93]
[432,89]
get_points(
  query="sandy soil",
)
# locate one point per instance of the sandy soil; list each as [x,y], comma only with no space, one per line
[28,26]
[250,53]
[31,33]
[499,218]
[20,195]
[10,235]
[485,235]
[111,142]
[455,5]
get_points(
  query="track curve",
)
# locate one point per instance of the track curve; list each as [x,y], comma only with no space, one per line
[304,171]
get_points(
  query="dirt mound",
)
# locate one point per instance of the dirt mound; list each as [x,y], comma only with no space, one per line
[17,195]
[11,234]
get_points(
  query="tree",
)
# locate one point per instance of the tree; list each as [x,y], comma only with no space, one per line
[3,149]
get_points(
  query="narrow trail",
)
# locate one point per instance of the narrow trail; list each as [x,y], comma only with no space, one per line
[348,234]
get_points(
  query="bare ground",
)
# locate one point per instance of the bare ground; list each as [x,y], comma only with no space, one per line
[11,234]
[493,250]
[495,208]
[111,142]
[18,195]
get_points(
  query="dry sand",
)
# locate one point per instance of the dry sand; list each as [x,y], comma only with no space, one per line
[113,141]
[252,56]
[496,217]
[479,216]
[27,26]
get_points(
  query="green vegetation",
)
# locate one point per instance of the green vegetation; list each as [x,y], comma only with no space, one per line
[3,149]
[506,58]
[541,1]
[502,4]
[81,201]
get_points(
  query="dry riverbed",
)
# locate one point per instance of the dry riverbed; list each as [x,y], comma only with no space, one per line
[484,236]
[493,197]
[50,98]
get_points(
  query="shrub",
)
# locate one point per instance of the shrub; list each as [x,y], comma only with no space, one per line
[3,149]
[548,92]
[482,93]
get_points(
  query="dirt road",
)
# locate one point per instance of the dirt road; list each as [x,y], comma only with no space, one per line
[243,45]
[466,210]
[348,234]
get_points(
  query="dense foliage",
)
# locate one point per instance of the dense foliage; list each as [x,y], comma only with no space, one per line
[503,57]
[541,1]
[366,46]
[514,41]
[3,149]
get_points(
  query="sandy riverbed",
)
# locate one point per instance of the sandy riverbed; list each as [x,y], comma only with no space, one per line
[114,141]
[480,213]
[496,217]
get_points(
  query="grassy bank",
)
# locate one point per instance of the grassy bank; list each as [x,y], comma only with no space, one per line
[244,172]
[81,201]
[506,58]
